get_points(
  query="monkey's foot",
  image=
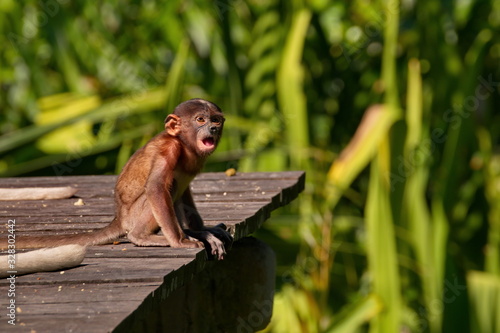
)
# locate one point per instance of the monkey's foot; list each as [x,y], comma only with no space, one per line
[150,240]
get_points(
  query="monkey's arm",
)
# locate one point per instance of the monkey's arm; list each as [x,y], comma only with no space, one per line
[216,239]
[160,200]
[192,217]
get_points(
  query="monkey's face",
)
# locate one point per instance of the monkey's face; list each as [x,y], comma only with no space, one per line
[208,127]
[198,123]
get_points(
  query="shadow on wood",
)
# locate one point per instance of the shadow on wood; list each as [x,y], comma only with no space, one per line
[233,295]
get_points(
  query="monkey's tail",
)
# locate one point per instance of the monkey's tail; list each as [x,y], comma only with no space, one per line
[97,237]
[43,260]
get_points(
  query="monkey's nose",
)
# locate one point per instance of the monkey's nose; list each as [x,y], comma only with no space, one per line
[213,129]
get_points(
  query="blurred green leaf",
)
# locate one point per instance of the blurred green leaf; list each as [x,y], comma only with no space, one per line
[484,293]
[370,133]
[358,313]
[290,88]
[381,247]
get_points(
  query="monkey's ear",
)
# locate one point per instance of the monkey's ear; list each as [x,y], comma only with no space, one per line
[173,124]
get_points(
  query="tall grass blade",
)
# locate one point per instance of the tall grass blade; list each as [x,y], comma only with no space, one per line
[391,30]
[173,93]
[381,245]
[416,212]
[368,137]
[355,157]
[492,179]
[291,96]
[484,295]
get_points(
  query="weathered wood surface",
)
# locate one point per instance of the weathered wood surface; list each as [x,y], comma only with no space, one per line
[114,280]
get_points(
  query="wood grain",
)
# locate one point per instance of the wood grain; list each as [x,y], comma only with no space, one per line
[113,280]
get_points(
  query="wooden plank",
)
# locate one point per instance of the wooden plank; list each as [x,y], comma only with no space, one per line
[114,280]
[105,264]
[109,181]
[106,270]
[57,228]
[78,294]
[56,218]
[74,228]
[46,308]
[70,322]
[267,176]
[57,181]
[132,251]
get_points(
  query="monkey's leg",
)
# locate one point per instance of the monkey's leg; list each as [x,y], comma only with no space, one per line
[141,225]
[144,231]
[215,239]
[144,235]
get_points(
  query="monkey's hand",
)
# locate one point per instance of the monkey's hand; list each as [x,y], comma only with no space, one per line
[216,240]
[220,231]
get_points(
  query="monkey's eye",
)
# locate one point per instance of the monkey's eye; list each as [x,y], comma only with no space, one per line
[216,120]
[200,120]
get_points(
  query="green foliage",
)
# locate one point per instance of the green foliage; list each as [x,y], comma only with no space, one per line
[484,293]
[399,225]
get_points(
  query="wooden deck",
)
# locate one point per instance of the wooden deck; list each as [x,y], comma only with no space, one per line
[114,280]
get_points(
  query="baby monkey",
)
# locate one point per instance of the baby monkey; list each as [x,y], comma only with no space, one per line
[152,192]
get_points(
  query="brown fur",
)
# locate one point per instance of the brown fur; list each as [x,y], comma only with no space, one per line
[152,192]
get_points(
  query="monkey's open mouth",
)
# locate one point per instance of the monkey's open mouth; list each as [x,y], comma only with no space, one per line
[208,142]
